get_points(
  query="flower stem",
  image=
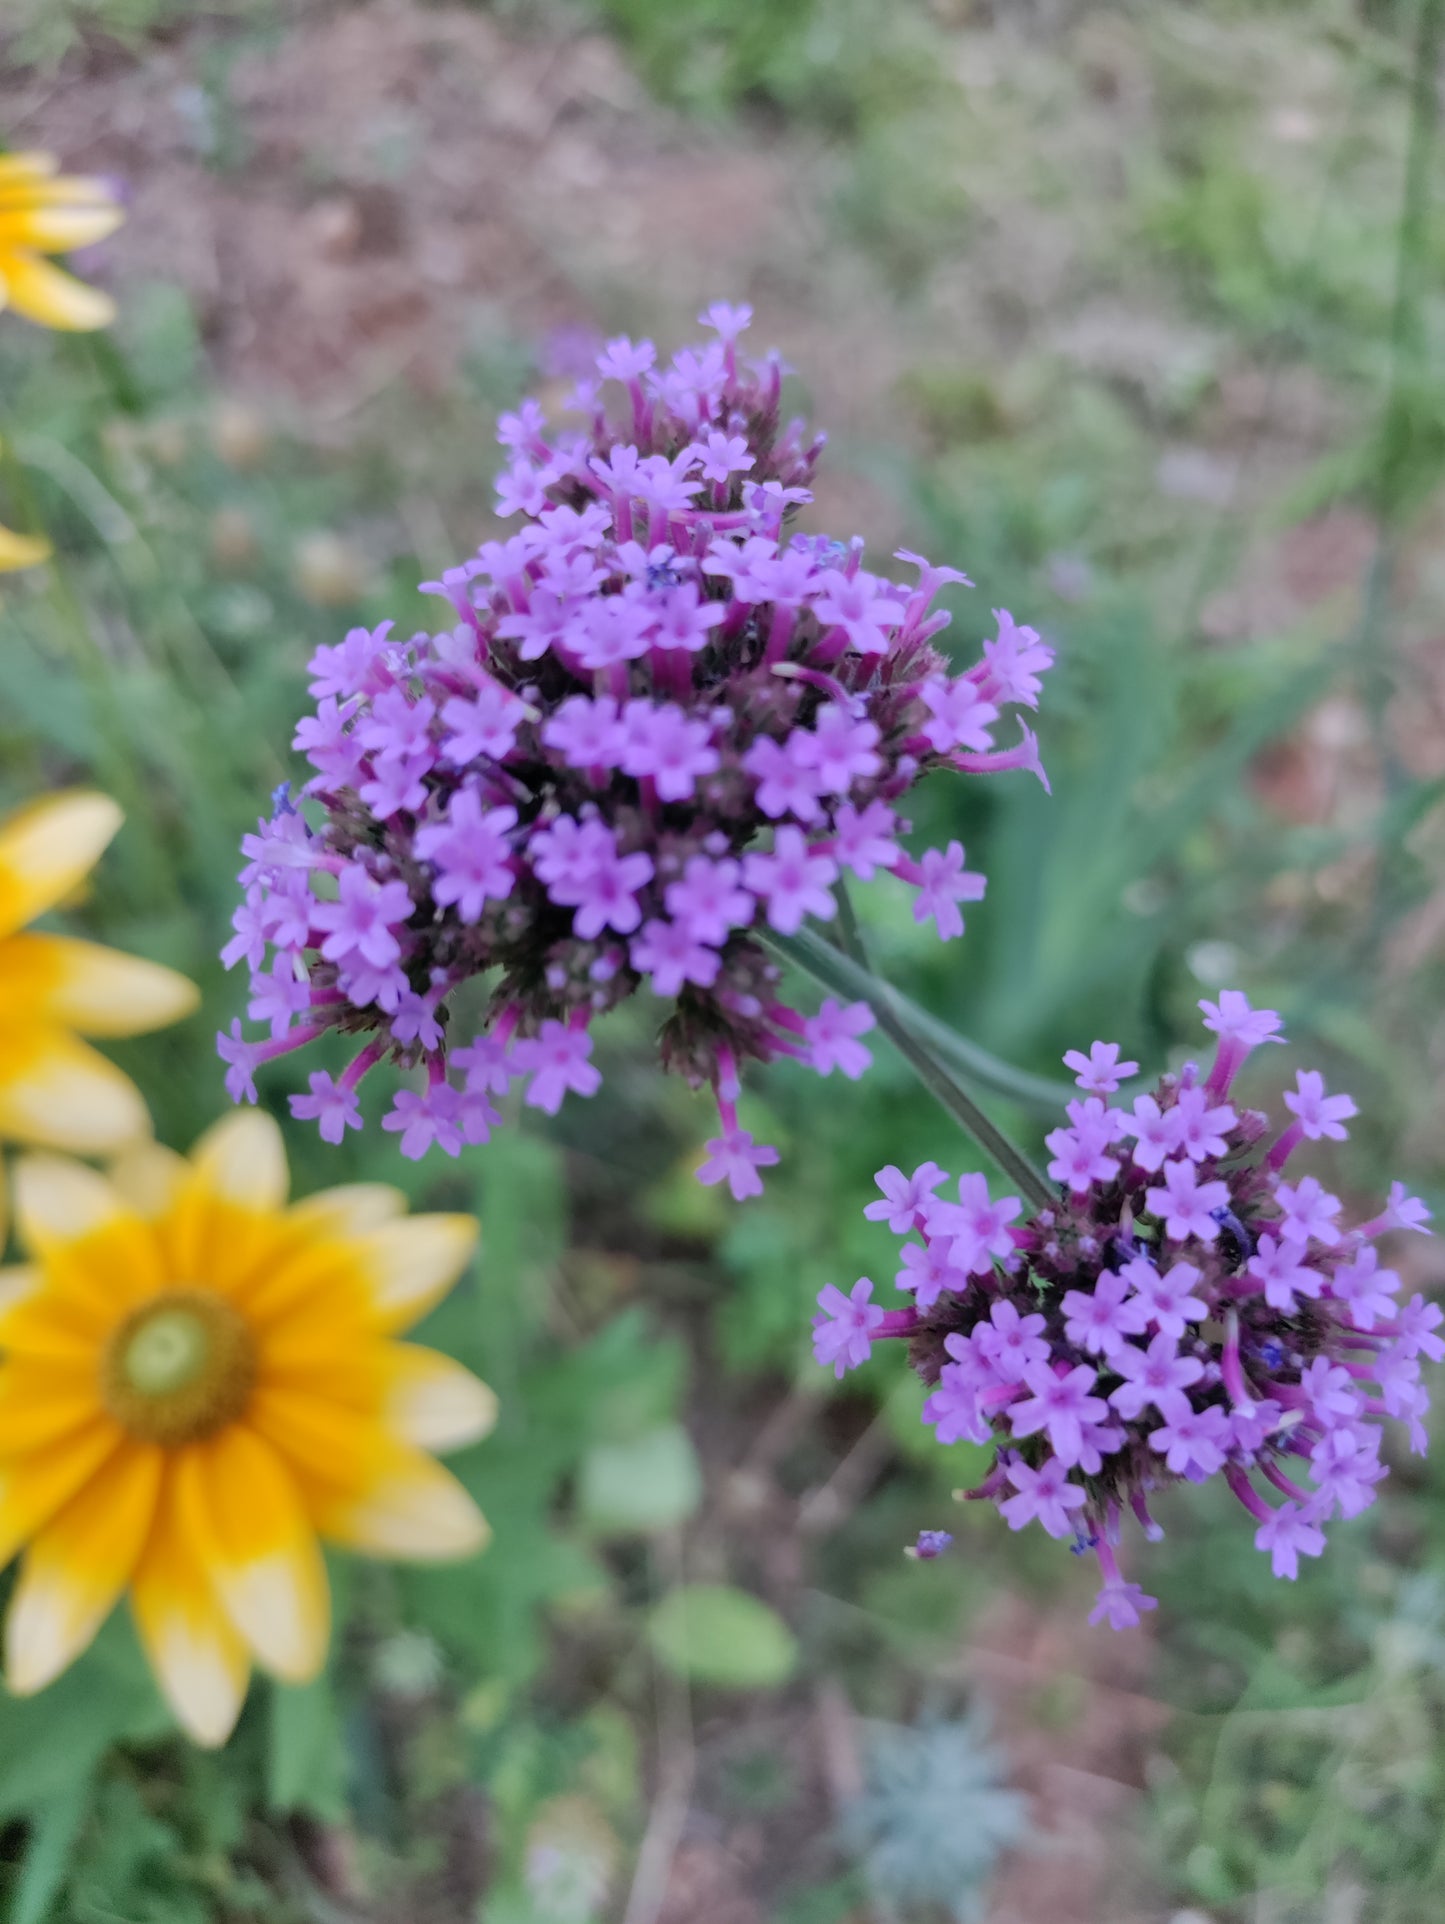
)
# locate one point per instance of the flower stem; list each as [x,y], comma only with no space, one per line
[935,1077]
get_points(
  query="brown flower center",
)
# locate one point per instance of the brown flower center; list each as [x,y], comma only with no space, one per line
[179,1368]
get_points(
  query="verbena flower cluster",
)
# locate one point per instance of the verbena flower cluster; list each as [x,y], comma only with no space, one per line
[659,725]
[1185,1311]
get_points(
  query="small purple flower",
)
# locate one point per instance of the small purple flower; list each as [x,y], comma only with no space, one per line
[905,1198]
[794,882]
[944,882]
[1309,1212]
[786,785]
[858,608]
[1044,1495]
[243,1059]
[832,1038]
[958,715]
[558,1059]
[1013,1345]
[1092,1316]
[586,732]
[667,746]
[1202,1129]
[362,919]
[1061,1403]
[843,1334]
[1415,1324]
[333,1105]
[1100,1072]
[1193,1442]
[1163,1301]
[1121,1605]
[1288,1534]
[424,1118]
[1280,1268]
[672,955]
[929,1545]
[1319,1115]
[1159,1377]
[837,751]
[735,1158]
[1156,1132]
[471,852]
[864,839]
[1366,1290]
[708,901]
[1185,1203]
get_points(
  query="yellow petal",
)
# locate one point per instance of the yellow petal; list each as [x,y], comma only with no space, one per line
[33,1487]
[51,227]
[29,164]
[411,1264]
[435,1403]
[60,1201]
[77,1567]
[80,985]
[36,1321]
[148,1179]
[21,550]
[414,1509]
[199,1661]
[55,1090]
[245,1519]
[242,1160]
[45,294]
[44,1398]
[349,1208]
[47,847]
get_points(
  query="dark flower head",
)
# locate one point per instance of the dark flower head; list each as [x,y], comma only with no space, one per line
[658,725]
[1182,1312]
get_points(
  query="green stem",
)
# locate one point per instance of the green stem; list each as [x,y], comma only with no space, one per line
[939,1083]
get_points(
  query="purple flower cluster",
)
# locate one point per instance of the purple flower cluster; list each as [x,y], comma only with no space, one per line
[1183,1312]
[658,725]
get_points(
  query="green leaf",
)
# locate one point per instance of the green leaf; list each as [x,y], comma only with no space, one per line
[712,1634]
[638,1487]
[305,1762]
[48,1853]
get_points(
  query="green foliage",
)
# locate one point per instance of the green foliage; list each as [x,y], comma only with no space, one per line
[711,1634]
[934,1817]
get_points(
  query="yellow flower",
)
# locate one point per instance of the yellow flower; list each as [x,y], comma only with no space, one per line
[198,1380]
[46,212]
[55,1089]
[20,550]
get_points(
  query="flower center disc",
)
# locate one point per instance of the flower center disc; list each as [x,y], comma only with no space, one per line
[179,1368]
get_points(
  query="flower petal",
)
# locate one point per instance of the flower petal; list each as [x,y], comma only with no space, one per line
[349,1208]
[243,1515]
[58,1091]
[242,1160]
[435,1403]
[58,1201]
[21,550]
[78,1565]
[413,1509]
[200,1662]
[33,1487]
[47,847]
[80,985]
[411,1264]
[45,294]
[51,226]
[148,1178]
[43,1399]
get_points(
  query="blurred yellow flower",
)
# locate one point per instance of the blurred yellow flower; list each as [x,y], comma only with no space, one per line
[198,1380]
[55,1089]
[45,212]
[20,550]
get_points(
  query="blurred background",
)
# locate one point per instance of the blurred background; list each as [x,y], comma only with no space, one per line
[1135,312]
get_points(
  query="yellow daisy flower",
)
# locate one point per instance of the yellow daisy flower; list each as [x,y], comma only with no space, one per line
[55,1090]
[43,211]
[197,1381]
